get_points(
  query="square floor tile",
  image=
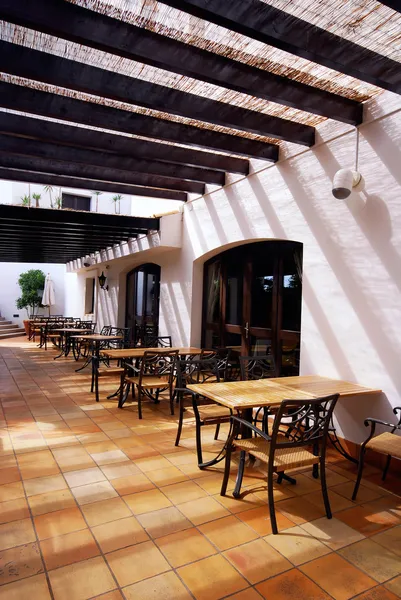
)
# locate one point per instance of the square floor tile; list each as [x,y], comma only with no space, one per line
[212,578]
[106,511]
[185,547]
[94,492]
[160,587]
[132,484]
[184,492]
[16,533]
[67,549]
[152,463]
[119,534]
[166,476]
[42,485]
[135,563]
[259,520]
[299,510]
[14,510]
[203,510]
[81,580]
[73,459]
[338,577]
[257,560]
[34,588]
[390,539]
[365,494]
[337,502]
[228,532]
[51,501]
[332,532]
[297,545]
[37,464]
[9,475]
[10,491]
[59,522]
[367,521]
[148,501]
[378,562]
[164,521]
[116,471]
[84,477]
[291,585]
[248,594]
[19,562]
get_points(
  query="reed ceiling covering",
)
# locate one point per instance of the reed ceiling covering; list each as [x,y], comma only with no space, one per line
[170,96]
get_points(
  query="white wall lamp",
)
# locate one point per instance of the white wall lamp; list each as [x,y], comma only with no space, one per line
[347,180]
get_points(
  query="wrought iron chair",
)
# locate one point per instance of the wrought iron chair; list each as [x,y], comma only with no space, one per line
[388,443]
[298,439]
[156,374]
[222,356]
[99,371]
[157,341]
[198,370]
[50,335]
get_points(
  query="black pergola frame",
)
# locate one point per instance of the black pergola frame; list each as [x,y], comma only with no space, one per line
[49,235]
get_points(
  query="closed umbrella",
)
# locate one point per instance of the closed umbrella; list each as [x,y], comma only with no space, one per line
[49,297]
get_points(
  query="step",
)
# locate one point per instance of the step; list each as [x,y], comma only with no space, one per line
[11,329]
[8,325]
[4,322]
[19,333]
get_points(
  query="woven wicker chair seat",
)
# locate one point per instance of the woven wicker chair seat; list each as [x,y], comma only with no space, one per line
[284,458]
[104,372]
[53,335]
[213,411]
[386,443]
[149,381]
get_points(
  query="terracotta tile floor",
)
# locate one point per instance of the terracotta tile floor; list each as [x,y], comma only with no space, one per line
[95,504]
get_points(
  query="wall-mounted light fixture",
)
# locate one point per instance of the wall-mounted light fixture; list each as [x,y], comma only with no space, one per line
[102,282]
[348,180]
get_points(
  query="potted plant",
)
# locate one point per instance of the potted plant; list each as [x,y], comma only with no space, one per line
[31,283]
[49,190]
[97,194]
[26,200]
[36,197]
[117,202]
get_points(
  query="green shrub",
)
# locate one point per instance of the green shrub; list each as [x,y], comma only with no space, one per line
[30,282]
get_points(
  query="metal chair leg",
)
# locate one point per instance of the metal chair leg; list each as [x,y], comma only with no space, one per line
[360,470]
[270,498]
[240,475]
[180,420]
[226,470]
[216,433]
[388,461]
[324,488]
[139,401]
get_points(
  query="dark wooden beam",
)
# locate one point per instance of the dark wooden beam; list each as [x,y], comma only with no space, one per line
[46,104]
[41,130]
[129,230]
[27,147]
[83,26]
[12,233]
[109,176]
[394,4]
[88,184]
[48,68]
[261,21]
[76,217]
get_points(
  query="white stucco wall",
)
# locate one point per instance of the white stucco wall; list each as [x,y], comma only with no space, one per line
[10,290]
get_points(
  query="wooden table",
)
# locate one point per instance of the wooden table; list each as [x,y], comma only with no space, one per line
[139,352]
[243,396]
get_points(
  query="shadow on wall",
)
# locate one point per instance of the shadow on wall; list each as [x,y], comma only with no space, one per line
[366,308]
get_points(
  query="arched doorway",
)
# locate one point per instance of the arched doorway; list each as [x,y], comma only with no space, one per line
[252,302]
[142,301]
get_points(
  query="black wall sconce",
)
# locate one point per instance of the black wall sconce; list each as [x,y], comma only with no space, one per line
[102,282]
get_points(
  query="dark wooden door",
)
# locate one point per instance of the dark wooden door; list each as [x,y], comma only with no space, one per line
[252,302]
[142,301]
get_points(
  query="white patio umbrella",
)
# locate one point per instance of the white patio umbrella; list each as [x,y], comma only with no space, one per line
[49,297]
